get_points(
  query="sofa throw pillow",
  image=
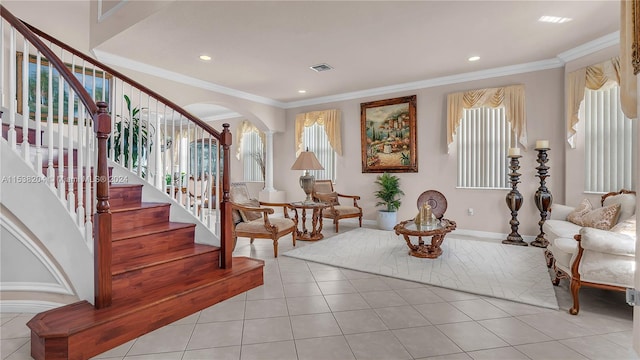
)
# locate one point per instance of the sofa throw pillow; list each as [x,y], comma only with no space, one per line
[627,227]
[329,198]
[602,218]
[576,215]
[250,215]
[627,204]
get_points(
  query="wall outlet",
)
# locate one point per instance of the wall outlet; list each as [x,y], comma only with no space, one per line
[470,211]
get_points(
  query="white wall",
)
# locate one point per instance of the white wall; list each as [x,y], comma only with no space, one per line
[437,169]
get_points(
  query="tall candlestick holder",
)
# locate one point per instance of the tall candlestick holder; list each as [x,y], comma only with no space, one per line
[514,202]
[542,197]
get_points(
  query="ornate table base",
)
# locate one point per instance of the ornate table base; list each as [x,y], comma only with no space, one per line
[315,233]
[430,251]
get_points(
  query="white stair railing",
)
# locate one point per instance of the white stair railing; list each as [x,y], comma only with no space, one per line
[150,136]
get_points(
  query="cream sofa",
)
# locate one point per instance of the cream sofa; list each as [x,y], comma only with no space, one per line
[589,256]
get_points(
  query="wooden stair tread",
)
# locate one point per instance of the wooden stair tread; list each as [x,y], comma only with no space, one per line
[78,316]
[149,230]
[144,205]
[161,258]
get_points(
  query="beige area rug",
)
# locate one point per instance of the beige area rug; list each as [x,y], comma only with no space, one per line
[487,268]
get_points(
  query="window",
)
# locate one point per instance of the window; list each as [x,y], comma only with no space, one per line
[610,142]
[483,139]
[316,140]
[252,156]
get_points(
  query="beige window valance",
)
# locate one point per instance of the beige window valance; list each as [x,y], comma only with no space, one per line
[246,127]
[329,119]
[594,77]
[509,97]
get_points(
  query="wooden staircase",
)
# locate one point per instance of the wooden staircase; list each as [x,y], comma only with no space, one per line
[148,271]
[159,275]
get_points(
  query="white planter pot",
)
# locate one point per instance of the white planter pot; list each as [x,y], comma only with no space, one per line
[387,219]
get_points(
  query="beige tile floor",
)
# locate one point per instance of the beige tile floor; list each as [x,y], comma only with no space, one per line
[313,311]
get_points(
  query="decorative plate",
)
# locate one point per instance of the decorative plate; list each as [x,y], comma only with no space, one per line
[436,200]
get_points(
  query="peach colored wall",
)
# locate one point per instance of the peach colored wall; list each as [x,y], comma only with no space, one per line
[437,169]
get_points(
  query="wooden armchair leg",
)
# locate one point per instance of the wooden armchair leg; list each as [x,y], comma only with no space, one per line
[251,241]
[293,236]
[335,222]
[275,248]
[360,220]
[575,289]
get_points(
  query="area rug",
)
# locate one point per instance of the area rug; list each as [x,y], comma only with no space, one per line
[486,268]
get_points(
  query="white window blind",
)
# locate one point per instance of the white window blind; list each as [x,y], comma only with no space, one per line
[610,142]
[316,140]
[252,155]
[483,139]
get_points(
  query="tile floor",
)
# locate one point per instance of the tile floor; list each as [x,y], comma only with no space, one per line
[312,311]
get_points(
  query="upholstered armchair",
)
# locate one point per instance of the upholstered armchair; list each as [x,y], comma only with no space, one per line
[601,257]
[252,220]
[323,191]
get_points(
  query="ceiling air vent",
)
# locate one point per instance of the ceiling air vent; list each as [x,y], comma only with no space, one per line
[321,67]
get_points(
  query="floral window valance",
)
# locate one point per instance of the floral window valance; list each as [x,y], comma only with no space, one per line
[328,119]
[593,77]
[509,97]
[246,127]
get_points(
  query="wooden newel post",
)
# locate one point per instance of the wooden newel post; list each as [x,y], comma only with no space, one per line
[226,237]
[102,218]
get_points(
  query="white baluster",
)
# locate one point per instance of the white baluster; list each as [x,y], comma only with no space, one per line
[38,115]
[71,197]
[51,175]
[13,106]
[60,151]
[25,102]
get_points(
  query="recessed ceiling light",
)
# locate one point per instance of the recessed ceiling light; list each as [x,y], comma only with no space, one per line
[474,58]
[554,19]
[302,91]
[205,57]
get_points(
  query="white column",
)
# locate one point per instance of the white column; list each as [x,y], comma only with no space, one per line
[268,181]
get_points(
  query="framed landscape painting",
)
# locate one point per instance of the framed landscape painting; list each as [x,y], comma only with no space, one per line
[388,132]
[93,80]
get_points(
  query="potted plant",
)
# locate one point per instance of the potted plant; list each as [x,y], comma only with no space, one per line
[132,129]
[388,194]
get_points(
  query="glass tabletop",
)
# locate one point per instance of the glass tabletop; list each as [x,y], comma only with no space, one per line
[425,227]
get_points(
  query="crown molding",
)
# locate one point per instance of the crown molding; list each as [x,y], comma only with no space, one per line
[444,80]
[598,44]
[116,60]
[559,61]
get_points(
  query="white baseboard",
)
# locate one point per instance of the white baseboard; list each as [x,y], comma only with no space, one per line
[27,306]
[489,235]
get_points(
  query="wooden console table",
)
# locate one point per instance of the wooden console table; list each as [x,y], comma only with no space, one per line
[315,233]
[437,232]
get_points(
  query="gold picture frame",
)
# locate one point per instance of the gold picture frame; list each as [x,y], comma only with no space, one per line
[388,135]
[87,76]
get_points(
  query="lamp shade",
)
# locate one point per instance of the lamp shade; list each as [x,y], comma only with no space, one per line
[307,161]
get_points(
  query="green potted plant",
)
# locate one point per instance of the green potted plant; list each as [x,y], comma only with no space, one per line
[134,129]
[388,194]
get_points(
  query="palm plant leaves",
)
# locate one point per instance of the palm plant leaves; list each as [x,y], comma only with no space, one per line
[389,192]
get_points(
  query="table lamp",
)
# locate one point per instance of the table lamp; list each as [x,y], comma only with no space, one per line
[307,161]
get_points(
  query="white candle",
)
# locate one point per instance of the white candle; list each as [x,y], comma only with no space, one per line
[542,144]
[176,168]
[514,151]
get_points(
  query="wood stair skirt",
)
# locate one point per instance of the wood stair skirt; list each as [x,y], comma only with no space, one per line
[159,275]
